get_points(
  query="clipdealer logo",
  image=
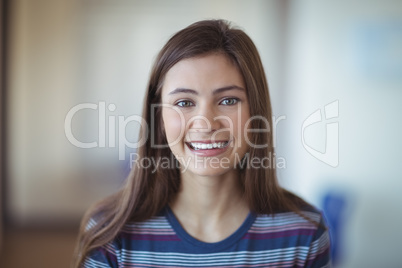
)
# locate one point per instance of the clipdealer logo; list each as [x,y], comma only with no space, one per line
[122,122]
[108,125]
[330,156]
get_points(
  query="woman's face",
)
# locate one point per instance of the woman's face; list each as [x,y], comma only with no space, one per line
[205,110]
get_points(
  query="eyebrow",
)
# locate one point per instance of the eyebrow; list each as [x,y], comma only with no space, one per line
[216,91]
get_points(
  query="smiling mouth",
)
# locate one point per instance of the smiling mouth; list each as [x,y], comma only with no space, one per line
[207,146]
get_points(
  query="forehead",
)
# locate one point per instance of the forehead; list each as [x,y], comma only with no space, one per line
[203,73]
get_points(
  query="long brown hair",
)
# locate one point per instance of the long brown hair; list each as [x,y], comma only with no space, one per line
[146,193]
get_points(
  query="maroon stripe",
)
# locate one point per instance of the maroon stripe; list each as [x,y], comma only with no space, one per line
[278,234]
[322,258]
[109,255]
[151,237]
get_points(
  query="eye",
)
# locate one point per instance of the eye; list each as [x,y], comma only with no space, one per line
[184,103]
[230,101]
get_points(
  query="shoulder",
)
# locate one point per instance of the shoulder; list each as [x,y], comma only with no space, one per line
[305,226]
[319,249]
[101,256]
[155,225]
[104,256]
[300,209]
[304,231]
[307,218]
[133,236]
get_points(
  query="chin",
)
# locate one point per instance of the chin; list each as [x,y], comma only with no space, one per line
[208,172]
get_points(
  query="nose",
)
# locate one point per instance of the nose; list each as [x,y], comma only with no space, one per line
[206,119]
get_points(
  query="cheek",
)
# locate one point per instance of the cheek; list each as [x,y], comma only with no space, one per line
[242,122]
[173,123]
[242,127]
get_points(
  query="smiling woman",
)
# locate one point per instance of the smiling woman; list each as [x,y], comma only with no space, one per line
[212,207]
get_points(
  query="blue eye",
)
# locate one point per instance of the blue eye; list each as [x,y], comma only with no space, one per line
[230,101]
[184,103]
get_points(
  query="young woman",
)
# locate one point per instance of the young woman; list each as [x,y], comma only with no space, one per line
[210,199]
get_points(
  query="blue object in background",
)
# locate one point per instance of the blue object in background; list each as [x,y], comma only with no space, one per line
[334,204]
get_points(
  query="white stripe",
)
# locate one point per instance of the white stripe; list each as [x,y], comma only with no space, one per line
[156,222]
[91,223]
[284,218]
[319,245]
[89,263]
[228,258]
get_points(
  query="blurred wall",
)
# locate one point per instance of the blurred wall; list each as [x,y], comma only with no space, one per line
[2,154]
[349,52]
[66,53]
[42,84]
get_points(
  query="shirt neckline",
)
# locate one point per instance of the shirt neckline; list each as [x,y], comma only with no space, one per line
[215,246]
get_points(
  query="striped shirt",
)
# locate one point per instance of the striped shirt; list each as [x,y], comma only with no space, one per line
[285,240]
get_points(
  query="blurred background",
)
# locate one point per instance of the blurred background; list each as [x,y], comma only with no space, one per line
[335,74]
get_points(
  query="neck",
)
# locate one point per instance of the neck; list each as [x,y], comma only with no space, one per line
[205,204]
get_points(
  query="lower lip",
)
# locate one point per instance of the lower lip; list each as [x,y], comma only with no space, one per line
[209,152]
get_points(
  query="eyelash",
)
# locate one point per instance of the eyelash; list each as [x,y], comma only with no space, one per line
[180,102]
[183,101]
[236,100]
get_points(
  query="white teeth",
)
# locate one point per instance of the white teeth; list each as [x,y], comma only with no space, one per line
[204,146]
